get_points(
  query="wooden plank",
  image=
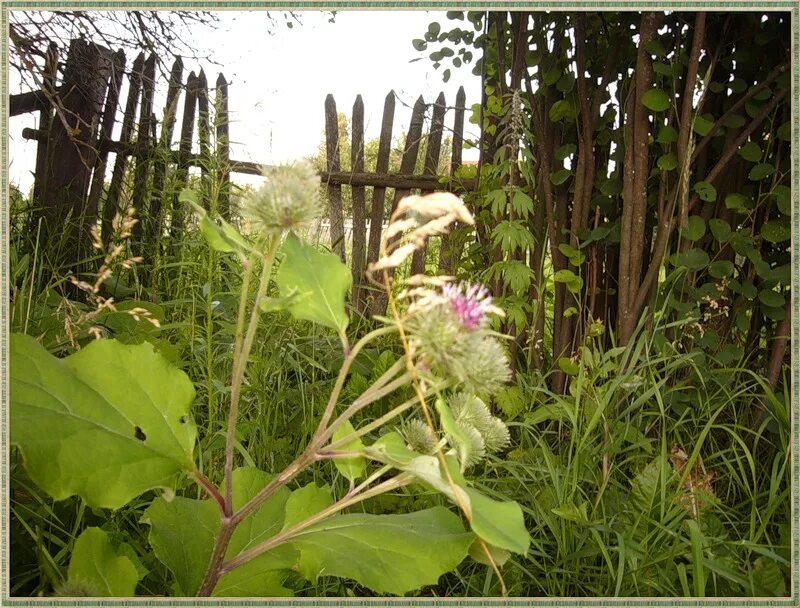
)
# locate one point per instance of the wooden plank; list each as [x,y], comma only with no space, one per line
[359,204]
[203,137]
[24,103]
[182,170]
[106,127]
[164,155]
[142,154]
[333,164]
[111,205]
[379,193]
[70,148]
[223,147]
[407,165]
[45,118]
[450,251]
[432,152]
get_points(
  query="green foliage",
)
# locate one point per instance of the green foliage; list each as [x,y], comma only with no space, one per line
[114,416]
[97,565]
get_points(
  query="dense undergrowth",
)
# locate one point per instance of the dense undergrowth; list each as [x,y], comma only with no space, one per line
[659,472]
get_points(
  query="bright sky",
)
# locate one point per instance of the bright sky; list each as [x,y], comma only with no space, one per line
[278,82]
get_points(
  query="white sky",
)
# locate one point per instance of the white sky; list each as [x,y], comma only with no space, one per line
[278,82]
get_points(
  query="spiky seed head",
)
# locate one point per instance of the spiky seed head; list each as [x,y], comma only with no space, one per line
[288,200]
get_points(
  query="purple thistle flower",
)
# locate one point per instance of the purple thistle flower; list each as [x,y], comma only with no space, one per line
[471,303]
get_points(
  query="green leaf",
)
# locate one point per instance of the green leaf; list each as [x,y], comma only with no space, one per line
[694,259]
[783,195]
[720,229]
[220,237]
[182,534]
[320,280]
[736,201]
[655,48]
[305,502]
[771,298]
[106,423]
[768,578]
[477,552]
[776,231]
[734,121]
[108,572]
[565,151]
[702,126]
[560,176]
[522,204]
[761,171]
[750,152]
[656,100]
[667,135]
[695,229]
[707,192]
[183,531]
[720,268]
[419,44]
[667,162]
[386,553]
[568,366]
[563,109]
[500,524]
[784,132]
[391,449]
[350,467]
[457,437]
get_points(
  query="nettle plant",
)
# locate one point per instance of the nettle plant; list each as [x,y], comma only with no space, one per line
[113,421]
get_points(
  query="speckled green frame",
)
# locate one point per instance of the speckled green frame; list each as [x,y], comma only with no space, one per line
[733,5]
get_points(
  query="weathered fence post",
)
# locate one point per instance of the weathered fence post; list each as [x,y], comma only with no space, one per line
[359,204]
[45,120]
[70,151]
[379,193]
[106,127]
[111,205]
[185,151]
[164,151]
[450,251]
[142,153]
[333,164]
[203,136]
[407,165]
[223,147]
[431,166]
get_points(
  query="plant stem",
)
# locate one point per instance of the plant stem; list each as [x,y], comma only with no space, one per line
[240,362]
[209,487]
[350,357]
[245,556]
[214,572]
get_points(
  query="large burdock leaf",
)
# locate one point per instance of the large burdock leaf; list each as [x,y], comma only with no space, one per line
[183,531]
[106,423]
[387,553]
[319,280]
[100,569]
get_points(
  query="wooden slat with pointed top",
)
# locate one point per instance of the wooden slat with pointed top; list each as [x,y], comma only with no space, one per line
[204,136]
[164,147]
[143,148]
[333,163]
[359,204]
[432,152]
[45,116]
[106,127]
[379,193]
[185,150]
[450,251]
[223,147]
[407,164]
[111,205]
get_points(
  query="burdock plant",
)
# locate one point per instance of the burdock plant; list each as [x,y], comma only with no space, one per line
[117,423]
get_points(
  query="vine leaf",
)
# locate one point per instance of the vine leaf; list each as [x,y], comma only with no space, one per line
[351,467]
[387,553]
[106,423]
[182,534]
[320,280]
[98,566]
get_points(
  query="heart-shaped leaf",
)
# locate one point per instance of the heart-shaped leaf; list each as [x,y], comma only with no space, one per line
[106,423]
[656,100]
[320,282]
[100,568]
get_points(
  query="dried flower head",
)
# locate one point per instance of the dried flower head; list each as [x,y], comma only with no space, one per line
[414,220]
[288,200]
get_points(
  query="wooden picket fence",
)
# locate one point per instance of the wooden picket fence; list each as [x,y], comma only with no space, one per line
[79,106]
[365,243]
